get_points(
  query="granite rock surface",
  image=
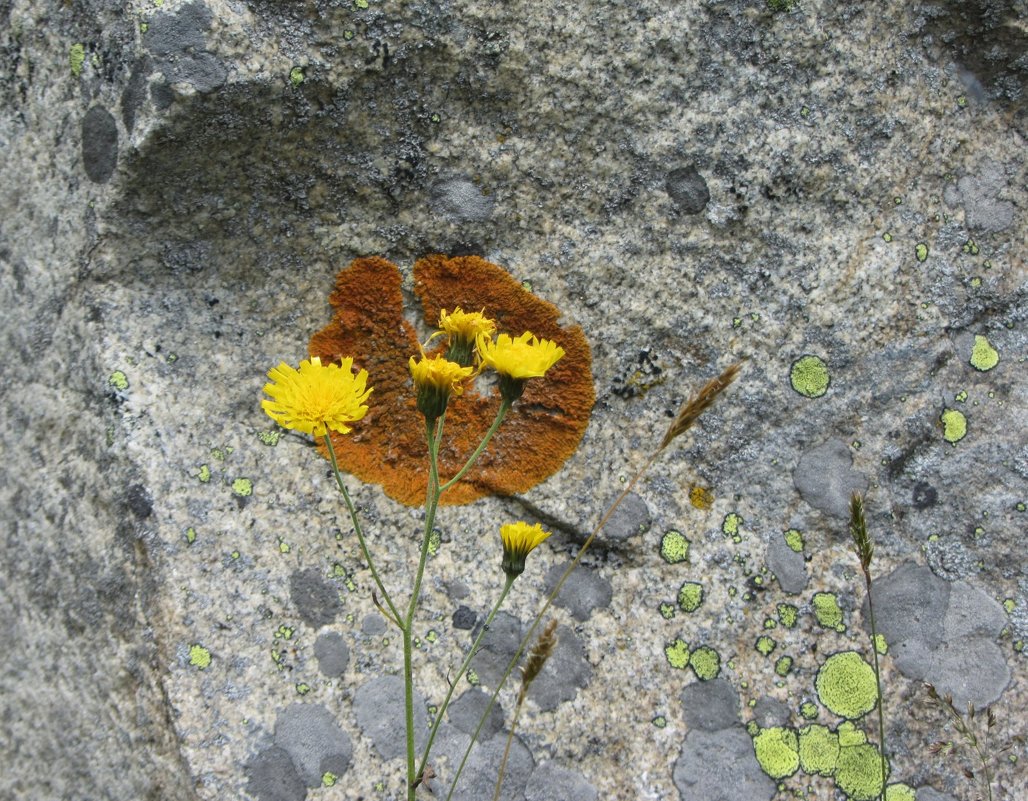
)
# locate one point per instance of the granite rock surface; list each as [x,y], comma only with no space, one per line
[835,193]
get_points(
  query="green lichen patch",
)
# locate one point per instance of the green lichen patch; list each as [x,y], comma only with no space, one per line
[705,663]
[777,751]
[328,779]
[787,614]
[203,474]
[954,425]
[269,438]
[819,750]
[667,610]
[302,688]
[731,526]
[690,596]
[243,487]
[118,380]
[827,611]
[677,654]
[983,355]
[297,76]
[881,646]
[435,540]
[859,772]
[765,645]
[808,710]
[674,547]
[921,251]
[199,657]
[76,58]
[660,721]
[900,792]
[783,666]
[846,685]
[809,376]
[794,539]
[190,535]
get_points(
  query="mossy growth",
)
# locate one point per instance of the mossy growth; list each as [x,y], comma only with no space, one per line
[794,539]
[674,547]
[690,596]
[859,772]
[783,666]
[819,750]
[921,251]
[846,685]
[827,611]
[765,645]
[76,58]
[900,792]
[849,734]
[808,710]
[369,324]
[243,487]
[731,526]
[777,751]
[809,376]
[705,663]
[983,355]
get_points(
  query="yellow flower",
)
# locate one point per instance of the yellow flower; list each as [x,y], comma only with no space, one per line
[519,540]
[436,379]
[317,397]
[460,324]
[517,360]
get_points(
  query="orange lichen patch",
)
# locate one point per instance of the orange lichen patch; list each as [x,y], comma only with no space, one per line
[388,448]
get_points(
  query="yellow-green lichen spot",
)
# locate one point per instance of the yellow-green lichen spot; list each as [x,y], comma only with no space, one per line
[794,539]
[809,376]
[983,355]
[859,772]
[705,663]
[76,58]
[954,425]
[819,750]
[690,596]
[243,487]
[846,685]
[118,380]
[777,751]
[921,251]
[677,654]
[199,657]
[827,611]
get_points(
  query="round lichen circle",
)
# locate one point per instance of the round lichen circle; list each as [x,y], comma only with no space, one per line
[674,547]
[690,596]
[705,663]
[954,425]
[819,750]
[777,751]
[809,376]
[859,772]
[846,685]
[983,355]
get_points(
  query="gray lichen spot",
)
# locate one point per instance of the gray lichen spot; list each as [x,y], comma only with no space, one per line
[271,776]
[466,711]
[316,600]
[584,590]
[931,794]
[498,647]
[551,782]
[720,766]
[826,479]
[378,707]
[631,518]
[789,566]
[461,200]
[178,45]
[99,144]
[332,654]
[942,633]
[479,778]
[687,188]
[710,705]
[979,195]
[565,672]
[314,742]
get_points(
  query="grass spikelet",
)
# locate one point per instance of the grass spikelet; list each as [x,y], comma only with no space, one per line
[698,404]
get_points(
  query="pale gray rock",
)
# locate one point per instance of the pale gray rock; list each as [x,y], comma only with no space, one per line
[466,711]
[272,776]
[332,653]
[316,599]
[789,566]
[378,707]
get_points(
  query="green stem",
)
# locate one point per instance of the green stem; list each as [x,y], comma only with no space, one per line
[504,408]
[549,601]
[878,676]
[463,669]
[357,528]
[431,504]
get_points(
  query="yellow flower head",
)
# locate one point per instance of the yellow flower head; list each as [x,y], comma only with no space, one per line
[317,397]
[519,540]
[436,379]
[460,324]
[518,359]
[462,330]
[521,357]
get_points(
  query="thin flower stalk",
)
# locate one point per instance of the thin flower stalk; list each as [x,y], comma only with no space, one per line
[461,672]
[500,415]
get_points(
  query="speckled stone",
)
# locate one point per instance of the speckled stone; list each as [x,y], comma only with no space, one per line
[710,705]
[721,766]
[582,592]
[550,782]
[181,182]
[314,742]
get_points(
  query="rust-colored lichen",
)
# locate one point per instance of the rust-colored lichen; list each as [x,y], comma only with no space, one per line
[388,448]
